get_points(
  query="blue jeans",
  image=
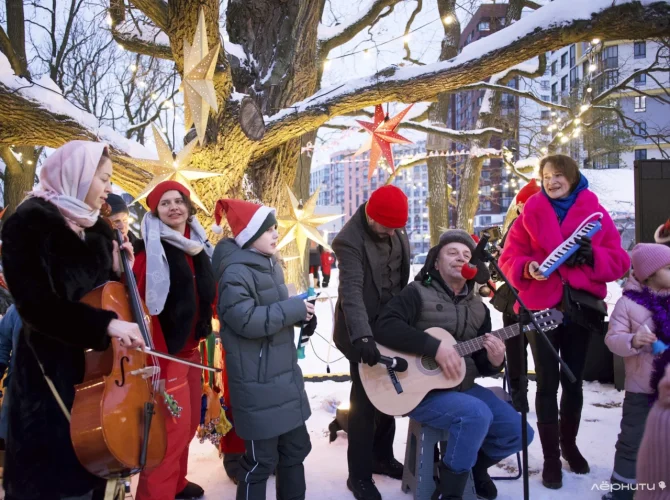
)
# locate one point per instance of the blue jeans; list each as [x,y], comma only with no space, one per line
[476,419]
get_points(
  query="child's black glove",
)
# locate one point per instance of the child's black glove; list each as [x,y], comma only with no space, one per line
[309,328]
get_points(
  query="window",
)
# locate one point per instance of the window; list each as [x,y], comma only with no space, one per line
[640,79]
[564,60]
[572,55]
[640,50]
[640,128]
[544,85]
[546,97]
[486,174]
[484,26]
[610,57]
[544,115]
[485,220]
[564,84]
[585,69]
[554,93]
[480,100]
[640,103]
[485,205]
[640,154]
[506,202]
[486,190]
[574,77]
[553,68]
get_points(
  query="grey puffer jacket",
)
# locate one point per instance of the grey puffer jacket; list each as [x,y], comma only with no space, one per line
[267,391]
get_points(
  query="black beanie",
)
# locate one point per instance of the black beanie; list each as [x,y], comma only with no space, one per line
[117,204]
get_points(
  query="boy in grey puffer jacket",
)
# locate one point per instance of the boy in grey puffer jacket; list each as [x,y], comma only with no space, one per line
[267,392]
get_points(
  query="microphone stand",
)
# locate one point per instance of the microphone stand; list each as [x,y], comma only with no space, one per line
[487,257]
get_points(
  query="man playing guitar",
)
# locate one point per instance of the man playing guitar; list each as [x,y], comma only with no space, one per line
[483,429]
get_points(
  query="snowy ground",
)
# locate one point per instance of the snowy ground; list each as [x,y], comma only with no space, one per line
[326,466]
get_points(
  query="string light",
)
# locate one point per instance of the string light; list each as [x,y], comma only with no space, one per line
[592,67]
[589,90]
[109,20]
[553,113]
[564,139]
[493,190]
[120,47]
[595,41]
[560,134]
[366,53]
[133,68]
[406,38]
[479,191]
[155,96]
[584,107]
[544,150]
[578,121]
[577,131]
[29,162]
[326,64]
[164,130]
[141,84]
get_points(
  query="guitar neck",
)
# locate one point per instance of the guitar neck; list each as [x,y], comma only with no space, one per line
[473,345]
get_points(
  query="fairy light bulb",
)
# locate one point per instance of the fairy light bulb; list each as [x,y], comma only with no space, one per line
[589,89]
[584,107]
[133,68]
[406,38]
[326,64]
[592,67]
[577,121]
[564,139]
[448,19]
[109,20]
[544,150]
[595,41]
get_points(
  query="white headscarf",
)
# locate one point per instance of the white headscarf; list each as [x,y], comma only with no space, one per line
[158,271]
[66,177]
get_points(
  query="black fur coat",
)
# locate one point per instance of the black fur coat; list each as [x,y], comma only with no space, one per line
[49,269]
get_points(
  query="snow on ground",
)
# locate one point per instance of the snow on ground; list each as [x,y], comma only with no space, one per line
[326,466]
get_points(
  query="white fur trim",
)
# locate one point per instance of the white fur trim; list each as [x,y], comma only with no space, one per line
[254,225]
[658,238]
[217,229]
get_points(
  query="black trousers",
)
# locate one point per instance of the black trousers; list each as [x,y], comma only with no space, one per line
[515,354]
[370,434]
[286,454]
[635,412]
[571,342]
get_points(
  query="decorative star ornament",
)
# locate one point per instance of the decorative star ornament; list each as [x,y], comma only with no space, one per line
[169,168]
[301,224]
[199,93]
[382,135]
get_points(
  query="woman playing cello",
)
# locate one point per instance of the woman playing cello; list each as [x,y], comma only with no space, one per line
[55,250]
[174,275]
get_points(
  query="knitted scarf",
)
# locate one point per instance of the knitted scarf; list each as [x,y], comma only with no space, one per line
[659,306]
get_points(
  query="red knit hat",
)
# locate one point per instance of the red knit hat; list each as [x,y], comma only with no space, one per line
[162,188]
[527,191]
[247,220]
[388,206]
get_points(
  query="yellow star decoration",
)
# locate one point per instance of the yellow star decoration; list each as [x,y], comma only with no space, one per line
[199,93]
[301,224]
[168,168]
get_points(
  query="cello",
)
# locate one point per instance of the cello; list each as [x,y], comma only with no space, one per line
[115,427]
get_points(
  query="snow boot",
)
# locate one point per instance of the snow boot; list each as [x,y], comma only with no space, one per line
[569,426]
[363,489]
[552,475]
[519,390]
[452,484]
[484,485]
[618,494]
[391,468]
[191,491]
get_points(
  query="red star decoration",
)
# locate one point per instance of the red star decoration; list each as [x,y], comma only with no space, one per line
[382,135]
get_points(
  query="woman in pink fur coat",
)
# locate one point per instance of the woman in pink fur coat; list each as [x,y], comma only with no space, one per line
[549,218]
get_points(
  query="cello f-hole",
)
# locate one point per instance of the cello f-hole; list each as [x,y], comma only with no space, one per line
[123,372]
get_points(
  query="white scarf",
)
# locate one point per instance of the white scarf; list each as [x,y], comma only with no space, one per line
[158,271]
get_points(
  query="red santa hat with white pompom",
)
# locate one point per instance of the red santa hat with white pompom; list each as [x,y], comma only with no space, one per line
[247,220]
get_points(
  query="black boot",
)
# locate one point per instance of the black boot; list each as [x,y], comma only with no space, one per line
[552,475]
[363,489]
[569,426]
[484,485]
[519,390]
[191,491]
[452,484]
[618,494]
[231,463]
[391,468]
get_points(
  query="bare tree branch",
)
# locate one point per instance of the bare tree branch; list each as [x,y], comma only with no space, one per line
[408,28]
[519,93]
[351,30]
[454,135]
[156,10]
[136,44]
[8,51]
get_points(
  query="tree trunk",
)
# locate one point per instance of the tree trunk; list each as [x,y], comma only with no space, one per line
[438,187]
[19,175]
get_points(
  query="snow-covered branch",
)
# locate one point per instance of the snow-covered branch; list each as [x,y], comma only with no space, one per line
[454,135]
[555,25]
[137,44]
[519,93]
[334,36]
[7,49]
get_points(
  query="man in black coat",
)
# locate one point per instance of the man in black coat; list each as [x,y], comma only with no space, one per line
[372,251]
[119,217]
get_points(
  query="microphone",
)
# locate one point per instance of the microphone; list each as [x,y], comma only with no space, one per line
[472,270]
[397,364]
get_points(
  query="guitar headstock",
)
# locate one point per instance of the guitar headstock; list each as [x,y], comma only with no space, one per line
[548,319]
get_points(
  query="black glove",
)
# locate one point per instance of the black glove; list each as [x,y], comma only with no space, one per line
[309,328]
[583,255]
[365,351]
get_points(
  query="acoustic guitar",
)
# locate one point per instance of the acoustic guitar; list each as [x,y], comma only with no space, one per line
[398,393]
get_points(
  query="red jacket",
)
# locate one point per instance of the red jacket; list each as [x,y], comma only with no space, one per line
[326,262]
[536,234]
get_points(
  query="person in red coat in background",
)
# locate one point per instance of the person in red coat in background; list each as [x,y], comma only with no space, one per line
[326,264]
[175,278]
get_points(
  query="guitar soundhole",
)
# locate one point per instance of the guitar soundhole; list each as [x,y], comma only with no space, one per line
[429,363]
